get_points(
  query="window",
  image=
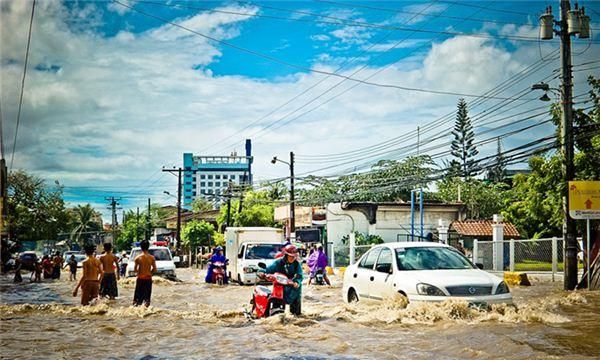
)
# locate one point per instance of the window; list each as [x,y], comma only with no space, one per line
[210,184]
[209,177]
[224,177]
[218,177]
[202,177]
[232,177]
[194,186]
[202,184]
[209,192]
[384,262]
[369,259]
[431,258]
[202,192]
[218,184]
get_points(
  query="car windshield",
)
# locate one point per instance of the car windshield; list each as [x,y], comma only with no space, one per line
[431,258]
[159,254]
[262,251]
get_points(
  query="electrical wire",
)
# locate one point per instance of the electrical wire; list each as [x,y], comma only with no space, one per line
[12,157]
[300,67]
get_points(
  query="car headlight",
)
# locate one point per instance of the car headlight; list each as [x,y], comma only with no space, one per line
[502,288]
[249,270]
[430,290]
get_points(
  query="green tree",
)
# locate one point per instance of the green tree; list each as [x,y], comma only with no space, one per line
[132,229]
[463,149]
[498,171]
[84,219]
[388,180]
[482,200]
[200,205]
[197,233]
[535,201]
[258,210]
[35,211]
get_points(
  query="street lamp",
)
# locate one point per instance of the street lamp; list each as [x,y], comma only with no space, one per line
[545,88]
[292,202]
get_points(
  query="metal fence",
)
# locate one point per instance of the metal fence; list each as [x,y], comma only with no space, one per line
[532,255]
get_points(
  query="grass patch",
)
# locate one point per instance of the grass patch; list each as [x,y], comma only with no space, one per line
[533,265]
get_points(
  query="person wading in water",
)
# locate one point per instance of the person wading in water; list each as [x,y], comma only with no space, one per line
[90,280]
[145,266]
[108,286]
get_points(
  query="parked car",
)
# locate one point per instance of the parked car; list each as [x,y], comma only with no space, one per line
[28,260]
[165,263]
[421,271]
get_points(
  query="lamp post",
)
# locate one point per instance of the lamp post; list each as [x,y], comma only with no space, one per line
[292,201]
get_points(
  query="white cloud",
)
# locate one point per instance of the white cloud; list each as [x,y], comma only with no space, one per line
[320,37]
[122,107]
[120,9]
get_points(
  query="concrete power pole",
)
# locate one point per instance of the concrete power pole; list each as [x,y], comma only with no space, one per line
[569,227]
[292,201]
[113,202]
[572,22]
[179,172]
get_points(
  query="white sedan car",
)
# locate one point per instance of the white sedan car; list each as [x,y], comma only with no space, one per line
[421,271]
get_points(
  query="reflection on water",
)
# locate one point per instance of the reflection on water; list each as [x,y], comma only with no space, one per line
[190,319]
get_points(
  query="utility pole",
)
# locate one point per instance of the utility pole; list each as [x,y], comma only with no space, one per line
[228,206]
[572,22]
[137,224]
[113,202]
[179,172]
[292,202]
[148,225]
[569,227]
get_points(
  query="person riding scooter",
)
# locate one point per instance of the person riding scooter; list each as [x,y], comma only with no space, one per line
[317,262]
[290,267]
[217,257]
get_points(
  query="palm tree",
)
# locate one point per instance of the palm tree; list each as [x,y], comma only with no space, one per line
[84,219]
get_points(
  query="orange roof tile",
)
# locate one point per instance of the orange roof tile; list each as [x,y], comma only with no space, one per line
[482,228]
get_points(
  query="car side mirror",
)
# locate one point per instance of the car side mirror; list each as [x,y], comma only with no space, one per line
[176,259]
[262,265]
[240,256]
[479,265]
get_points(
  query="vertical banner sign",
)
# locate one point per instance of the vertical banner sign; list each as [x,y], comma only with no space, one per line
[584,203]
[584,199]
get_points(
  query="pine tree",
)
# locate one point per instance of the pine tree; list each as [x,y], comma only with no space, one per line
[497,173]
[462,147]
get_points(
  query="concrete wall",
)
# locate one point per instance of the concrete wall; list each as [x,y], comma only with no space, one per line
[392,221]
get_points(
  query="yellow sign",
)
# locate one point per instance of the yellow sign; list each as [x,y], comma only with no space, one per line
[584,199]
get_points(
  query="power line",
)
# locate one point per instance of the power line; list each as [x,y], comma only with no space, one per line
[343,65]
[300,67]
[12,157]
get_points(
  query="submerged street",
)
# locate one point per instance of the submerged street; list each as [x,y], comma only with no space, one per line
[190,319]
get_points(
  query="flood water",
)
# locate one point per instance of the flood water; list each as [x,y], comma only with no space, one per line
[191,320]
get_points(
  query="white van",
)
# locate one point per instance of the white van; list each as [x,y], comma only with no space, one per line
[165,263]
[245,247]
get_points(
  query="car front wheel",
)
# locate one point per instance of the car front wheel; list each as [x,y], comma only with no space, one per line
[352,297]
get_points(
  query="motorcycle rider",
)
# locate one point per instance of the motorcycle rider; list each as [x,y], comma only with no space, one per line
[290,267]
[217,256]
[318,261]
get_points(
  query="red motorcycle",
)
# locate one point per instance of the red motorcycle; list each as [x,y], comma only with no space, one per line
[266,302]
[218,275]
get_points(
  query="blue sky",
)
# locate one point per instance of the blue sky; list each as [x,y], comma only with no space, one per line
[113,95]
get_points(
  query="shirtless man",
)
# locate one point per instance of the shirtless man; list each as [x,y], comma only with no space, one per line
[108,286]
[145,266]
[90,280]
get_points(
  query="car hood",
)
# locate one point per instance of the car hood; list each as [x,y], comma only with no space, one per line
[444,278]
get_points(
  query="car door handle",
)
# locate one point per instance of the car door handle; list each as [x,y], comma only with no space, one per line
[355,275]
[372,278]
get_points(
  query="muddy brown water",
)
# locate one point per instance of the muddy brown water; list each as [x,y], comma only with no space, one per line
[193,320]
